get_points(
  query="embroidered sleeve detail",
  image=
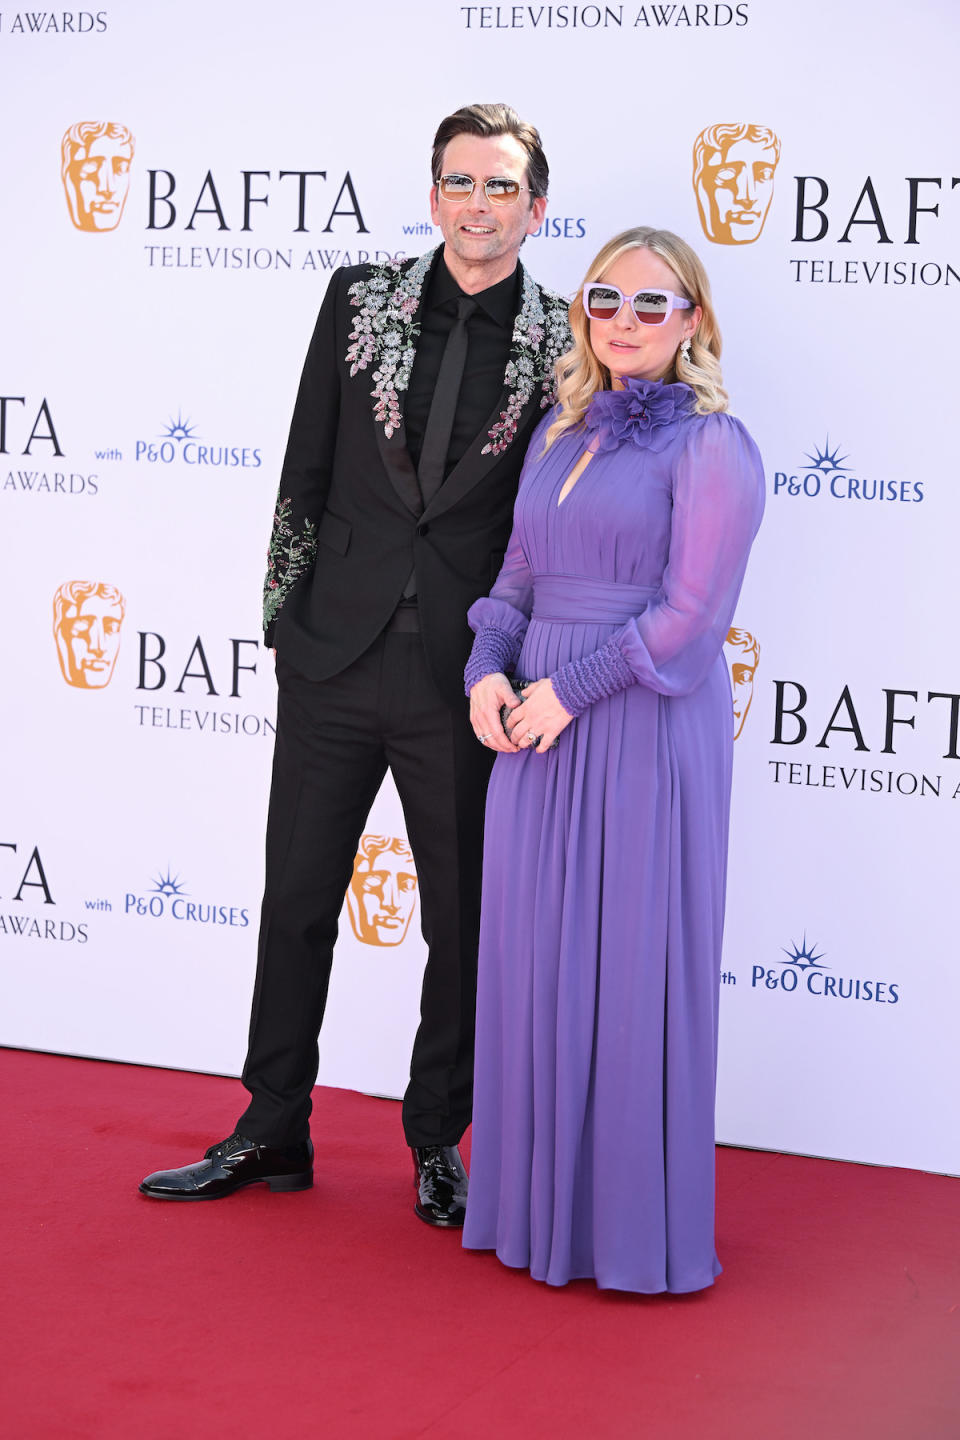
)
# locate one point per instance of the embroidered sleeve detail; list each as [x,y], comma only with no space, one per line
[494,652]
[291,553]
[578,684]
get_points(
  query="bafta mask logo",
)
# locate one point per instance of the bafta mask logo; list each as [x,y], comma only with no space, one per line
[733,169]
[95,169]
[744,651]
[87,616]
[383,891]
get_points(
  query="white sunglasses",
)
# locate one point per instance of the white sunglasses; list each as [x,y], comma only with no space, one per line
[602,301]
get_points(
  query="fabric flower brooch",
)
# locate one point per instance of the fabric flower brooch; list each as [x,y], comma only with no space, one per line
[641,412]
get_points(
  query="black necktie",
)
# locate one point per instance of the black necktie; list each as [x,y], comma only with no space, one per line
[443,406]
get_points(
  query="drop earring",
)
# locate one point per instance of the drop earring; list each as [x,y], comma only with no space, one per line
[685,349]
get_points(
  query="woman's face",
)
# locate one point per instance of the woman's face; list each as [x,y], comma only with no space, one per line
[627,347]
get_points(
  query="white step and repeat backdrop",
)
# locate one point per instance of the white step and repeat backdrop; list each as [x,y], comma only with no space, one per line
[179,181]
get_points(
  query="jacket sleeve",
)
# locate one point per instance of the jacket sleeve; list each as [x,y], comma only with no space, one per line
[307,464]
[718,497]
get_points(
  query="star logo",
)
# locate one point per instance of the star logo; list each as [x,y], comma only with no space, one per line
[179,429]
[827,461]
[168,884]
[804,958]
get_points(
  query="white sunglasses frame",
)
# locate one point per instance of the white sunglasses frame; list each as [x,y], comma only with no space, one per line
[677,302]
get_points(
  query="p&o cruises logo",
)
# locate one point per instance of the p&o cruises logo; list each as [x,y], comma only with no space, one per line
[827,475]
[168,897]
[180,441]
[804,970]
[561,227]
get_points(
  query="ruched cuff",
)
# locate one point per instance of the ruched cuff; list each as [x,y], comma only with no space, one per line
[580,682]
[494,651]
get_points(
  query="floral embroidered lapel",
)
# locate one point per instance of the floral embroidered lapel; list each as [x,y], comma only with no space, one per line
[384,335]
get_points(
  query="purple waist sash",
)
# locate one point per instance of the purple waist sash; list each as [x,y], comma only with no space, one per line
[572,599]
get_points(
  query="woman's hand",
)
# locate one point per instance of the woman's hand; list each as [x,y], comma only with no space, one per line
[486,698]
[539,716]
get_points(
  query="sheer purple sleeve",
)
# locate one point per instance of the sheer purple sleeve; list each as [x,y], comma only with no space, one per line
[718,499]
[500,619]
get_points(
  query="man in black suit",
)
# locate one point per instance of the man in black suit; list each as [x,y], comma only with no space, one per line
[422,385]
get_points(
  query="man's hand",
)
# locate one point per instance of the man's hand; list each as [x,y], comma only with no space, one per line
[539,716]
[486,698]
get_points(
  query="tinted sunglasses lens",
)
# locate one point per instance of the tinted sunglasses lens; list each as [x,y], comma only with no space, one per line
[456,187]
[502,191]
[651,307]
[601,302]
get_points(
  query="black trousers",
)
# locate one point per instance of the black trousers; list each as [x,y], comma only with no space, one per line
[335,740]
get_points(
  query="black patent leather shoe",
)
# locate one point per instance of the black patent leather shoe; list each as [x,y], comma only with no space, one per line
[229,1166]
[441,1184]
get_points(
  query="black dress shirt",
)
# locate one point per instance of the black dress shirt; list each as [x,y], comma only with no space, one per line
[489,333]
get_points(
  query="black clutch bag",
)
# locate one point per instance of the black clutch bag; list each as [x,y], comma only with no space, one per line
[517,685]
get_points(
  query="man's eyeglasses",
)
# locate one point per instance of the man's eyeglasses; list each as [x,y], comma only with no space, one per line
[602,301]
[499,190]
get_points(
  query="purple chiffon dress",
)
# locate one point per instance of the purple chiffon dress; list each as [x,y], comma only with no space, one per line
[605,859]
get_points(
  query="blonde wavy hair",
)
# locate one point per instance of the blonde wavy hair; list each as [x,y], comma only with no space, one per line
[580,374]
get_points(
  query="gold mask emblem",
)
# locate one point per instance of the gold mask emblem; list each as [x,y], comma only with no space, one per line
[87,616]
[744,659]
[382,893]
[95,170]
[733,169]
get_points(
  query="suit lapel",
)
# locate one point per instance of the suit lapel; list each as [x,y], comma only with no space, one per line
[399,467]
[472,467]
[393,305]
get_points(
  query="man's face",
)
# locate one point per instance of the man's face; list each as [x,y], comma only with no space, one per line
[738,186]
[88,639]
[381,897]
[99,176]
[483,240]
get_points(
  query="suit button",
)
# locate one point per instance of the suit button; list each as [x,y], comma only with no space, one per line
[423,529]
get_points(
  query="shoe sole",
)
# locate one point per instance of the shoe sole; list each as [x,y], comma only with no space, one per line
[278,1183]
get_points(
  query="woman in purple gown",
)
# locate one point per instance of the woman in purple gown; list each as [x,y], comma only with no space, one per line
[605,863]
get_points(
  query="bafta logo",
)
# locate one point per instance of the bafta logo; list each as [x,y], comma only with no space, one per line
[744,658]
[733,169]
[95,170]
[87,616]
[383,890]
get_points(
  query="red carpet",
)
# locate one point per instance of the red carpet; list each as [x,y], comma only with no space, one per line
[336,1313]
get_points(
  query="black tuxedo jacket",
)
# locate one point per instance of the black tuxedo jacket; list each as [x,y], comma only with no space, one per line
[350,522]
